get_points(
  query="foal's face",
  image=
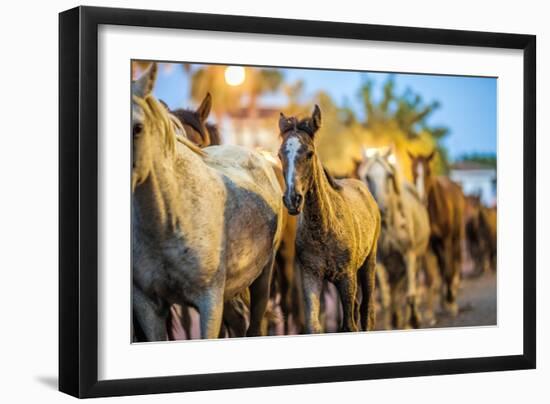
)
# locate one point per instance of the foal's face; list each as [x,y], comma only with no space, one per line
[297,154]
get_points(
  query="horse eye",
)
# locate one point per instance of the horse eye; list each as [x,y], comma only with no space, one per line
[138,128]
[309,154]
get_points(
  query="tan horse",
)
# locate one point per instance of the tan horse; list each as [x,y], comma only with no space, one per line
[338,227]
[445,202]
[404,236]
[205,224]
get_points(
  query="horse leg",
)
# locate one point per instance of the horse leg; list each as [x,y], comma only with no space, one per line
[312,285]
[234,319]
[285,276]
[259,296]
[451,277]
[433,284]
[368,279]
[456,273]
[412,300]
[186,321]
[150,315]
[210,307]
[298,315]
[384,291]
[396,297]
[347,288]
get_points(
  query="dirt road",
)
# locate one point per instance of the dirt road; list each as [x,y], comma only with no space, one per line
[477,301]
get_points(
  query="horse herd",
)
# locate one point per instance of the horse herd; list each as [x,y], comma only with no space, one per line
[248,240]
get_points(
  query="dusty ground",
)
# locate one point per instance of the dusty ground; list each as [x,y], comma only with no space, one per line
[477,302]
[477,306]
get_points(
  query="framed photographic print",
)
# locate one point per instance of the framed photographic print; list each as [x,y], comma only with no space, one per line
[251,201]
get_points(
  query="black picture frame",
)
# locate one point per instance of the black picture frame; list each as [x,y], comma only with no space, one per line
[78,200]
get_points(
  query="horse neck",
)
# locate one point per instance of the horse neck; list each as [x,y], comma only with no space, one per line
[436,203]
[429,182]
[318,207]
[161,201]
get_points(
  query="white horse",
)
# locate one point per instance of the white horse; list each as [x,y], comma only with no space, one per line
[205,223]
[405,232]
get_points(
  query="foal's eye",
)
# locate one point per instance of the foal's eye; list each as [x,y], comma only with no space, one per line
[138,128]
[309,154]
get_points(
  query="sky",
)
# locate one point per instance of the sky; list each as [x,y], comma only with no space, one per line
[468,105]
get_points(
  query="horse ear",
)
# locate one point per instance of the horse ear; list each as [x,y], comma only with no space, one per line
[364,154]
[316,118]
[388,152]
[411,156]
[204,109]
[144,85]
[431,155]
[164,104]
[283,123]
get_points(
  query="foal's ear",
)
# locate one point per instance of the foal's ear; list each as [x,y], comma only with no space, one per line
[316,118]
[144,85]
[431,155]
[284,123]
[204,109]
[411,156]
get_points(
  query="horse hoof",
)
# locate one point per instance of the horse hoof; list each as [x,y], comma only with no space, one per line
[452,309]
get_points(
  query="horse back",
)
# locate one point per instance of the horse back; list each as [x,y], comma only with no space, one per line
[252,212]
[417,215]
[363,209]
[446,209]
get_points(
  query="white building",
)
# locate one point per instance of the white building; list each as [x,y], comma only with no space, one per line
[475,179]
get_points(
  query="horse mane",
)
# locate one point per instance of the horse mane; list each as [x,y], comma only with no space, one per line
[332,182]
[167,125]
[214,132]
[411,189]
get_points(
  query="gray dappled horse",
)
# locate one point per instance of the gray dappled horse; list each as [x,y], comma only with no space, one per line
[205,224]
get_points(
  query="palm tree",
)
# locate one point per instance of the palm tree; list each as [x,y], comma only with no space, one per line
[403,121]
[258,82]
[211,79]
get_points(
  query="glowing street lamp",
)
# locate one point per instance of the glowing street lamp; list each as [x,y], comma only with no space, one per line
[234,75]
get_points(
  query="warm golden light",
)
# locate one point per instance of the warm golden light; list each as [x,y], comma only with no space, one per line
[234,75]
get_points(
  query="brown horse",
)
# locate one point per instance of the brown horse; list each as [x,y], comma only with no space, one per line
[338,227]
[198,130]
[445,202]
[480,234]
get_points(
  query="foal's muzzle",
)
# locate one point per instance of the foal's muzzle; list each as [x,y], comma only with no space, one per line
[293,202]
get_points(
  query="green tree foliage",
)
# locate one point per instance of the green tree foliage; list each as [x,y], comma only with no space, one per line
[396,120]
